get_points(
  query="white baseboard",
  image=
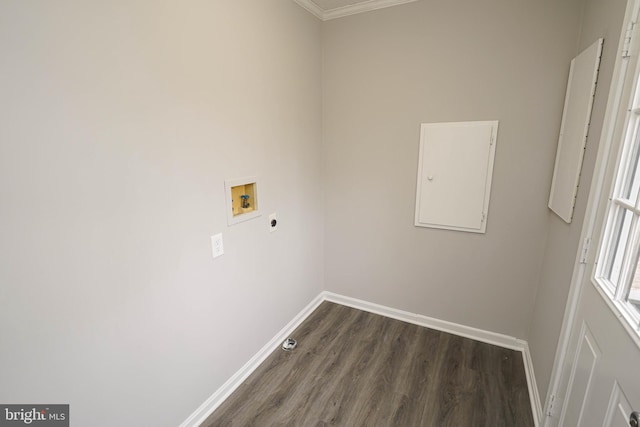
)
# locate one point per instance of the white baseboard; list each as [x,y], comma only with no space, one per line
[429,322]
[534,396]
[500,340]
[238,378]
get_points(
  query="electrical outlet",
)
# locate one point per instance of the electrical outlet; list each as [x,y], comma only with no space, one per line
[273,222]
[217,245]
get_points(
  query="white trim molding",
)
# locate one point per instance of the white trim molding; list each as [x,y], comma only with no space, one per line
[312,8]
[352,9]
[428,322]
[534,394]
[505,341]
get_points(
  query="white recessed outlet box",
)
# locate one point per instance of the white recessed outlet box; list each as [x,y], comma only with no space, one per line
[242,199]
[217,245]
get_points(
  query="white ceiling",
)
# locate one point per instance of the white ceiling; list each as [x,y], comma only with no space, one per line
[331,9]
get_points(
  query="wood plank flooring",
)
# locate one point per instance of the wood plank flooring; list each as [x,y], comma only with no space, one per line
[354,368]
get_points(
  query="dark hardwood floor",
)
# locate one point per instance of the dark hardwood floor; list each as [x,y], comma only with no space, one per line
[354,368]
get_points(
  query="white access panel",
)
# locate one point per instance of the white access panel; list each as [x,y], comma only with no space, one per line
[578,103]
[454,175]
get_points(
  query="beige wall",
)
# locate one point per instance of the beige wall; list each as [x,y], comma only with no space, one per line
[601,18]
[387,71]
[119,122]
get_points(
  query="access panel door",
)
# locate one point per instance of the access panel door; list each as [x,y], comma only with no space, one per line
[454,175]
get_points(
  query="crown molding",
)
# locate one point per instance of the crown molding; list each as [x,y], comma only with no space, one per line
[362,7]
[313,8]
[353,9]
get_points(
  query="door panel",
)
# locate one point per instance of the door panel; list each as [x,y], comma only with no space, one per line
[618,410]
[606,383]
[584,367]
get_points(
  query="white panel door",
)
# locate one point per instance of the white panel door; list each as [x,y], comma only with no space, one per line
[598,381]
[604,380]
[454,176]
